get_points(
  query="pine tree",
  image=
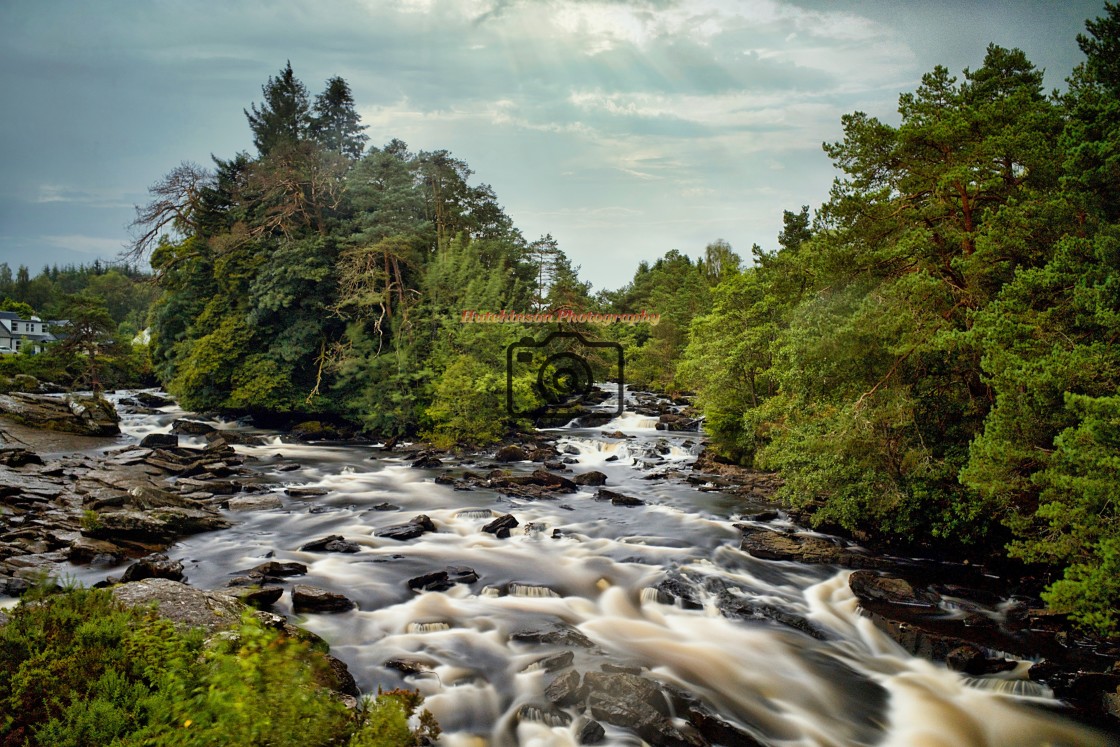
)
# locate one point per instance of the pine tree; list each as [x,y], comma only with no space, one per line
[284,117]
[336,124]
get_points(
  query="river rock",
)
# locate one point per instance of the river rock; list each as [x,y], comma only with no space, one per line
[18,456]
[298,491]
[88,416]
[261,597]
[160,526]
[427,462]
[234,437]
[637,704]
[971,660]
[873,587]
[89,550]
[566,689]
[278,568]
[313,599]
[618,499]
[593,478]
[511,453]
[443,580]
[560,634]
[188,427]
[332,543]
[501,526]
[183,605]
[156,565]
[770,545]
[151,399]
[404,532]
[160,441]
[254,502]
[591,732]
[556,662]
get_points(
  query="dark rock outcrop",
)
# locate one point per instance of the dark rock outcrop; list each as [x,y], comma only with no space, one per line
[160,441]
[594,478]
[156,565]
[771,545]
[332,543]
[501,526]
[313,599]
[88,416]
[404,532]
[511,453]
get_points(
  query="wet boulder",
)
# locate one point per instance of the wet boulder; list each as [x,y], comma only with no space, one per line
[17,456]
[188,427]
[185,606]
[560,634]
[160,441]
[278,569]
[254,502]
[591,732]
[443,580]
[87,416]
[501,526]
[151,399]
[261,597]
[635,703]
[770,545]
[511,453]
[593,478]
[873,587]
[160,526]
[566,690]
[156,565]
[332,543]
[618,499]
[313,599]
[404,532]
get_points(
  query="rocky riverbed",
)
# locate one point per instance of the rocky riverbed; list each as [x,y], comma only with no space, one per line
[594,585]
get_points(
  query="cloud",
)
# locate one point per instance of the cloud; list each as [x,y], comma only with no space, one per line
[94,245]
[105,198]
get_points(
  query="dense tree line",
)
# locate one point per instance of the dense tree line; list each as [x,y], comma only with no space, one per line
[929,358]
[932,357]
[322,278]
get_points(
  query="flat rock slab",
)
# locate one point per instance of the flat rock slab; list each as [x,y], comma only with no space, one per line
[313,599]
[332,543]
[770,545]
[254,502]
[185,606]
[87,416]
[404,532]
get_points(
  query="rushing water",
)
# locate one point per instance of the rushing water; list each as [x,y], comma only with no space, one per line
[849,685]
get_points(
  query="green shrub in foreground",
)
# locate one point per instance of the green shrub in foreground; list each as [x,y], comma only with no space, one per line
[77,668]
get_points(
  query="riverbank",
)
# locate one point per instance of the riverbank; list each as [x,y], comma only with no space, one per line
[549,589]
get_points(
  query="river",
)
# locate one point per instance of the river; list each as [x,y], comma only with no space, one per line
[846,685]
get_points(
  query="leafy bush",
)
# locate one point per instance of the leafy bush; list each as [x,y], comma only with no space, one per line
[78,668]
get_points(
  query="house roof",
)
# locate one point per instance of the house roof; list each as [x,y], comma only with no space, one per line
[8,315]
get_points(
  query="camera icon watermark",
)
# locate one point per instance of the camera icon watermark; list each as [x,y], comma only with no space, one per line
[554,378]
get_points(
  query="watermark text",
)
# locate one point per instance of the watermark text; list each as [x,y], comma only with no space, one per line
[471,316]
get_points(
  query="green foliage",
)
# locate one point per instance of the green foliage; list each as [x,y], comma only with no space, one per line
[933,360]
[77,668]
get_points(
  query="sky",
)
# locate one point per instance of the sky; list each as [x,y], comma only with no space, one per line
[625,128]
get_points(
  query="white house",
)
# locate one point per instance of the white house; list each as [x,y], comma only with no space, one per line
[17,333]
